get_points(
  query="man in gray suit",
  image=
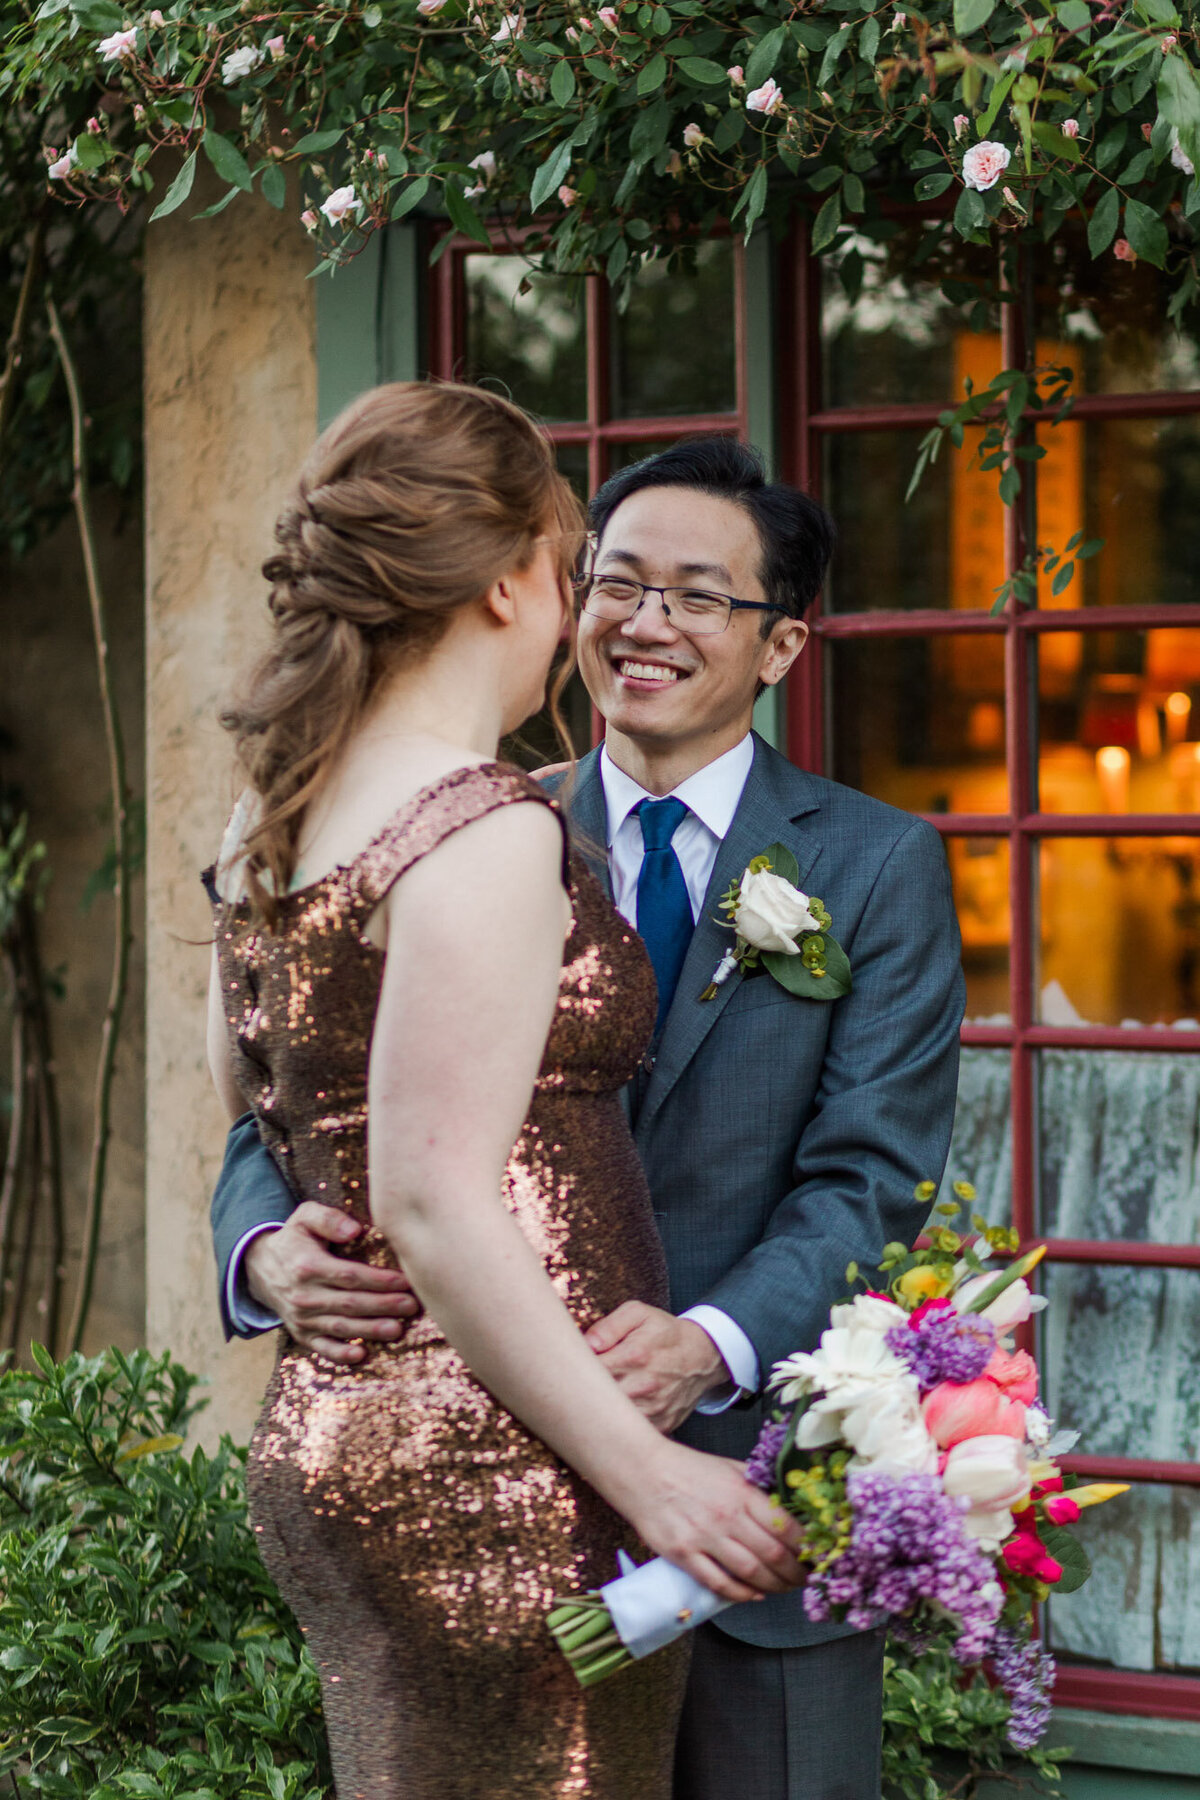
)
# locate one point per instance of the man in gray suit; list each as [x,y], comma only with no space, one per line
[782,1136]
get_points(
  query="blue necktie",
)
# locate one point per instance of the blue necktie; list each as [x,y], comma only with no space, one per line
[664,912]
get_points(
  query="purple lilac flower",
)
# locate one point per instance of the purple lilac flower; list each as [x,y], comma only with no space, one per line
[1026,1673]
[760,1464]
[907,1545]
[944,1346]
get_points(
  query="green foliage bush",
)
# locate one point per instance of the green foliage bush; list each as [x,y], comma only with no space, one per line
[145,1653]
[143,1649]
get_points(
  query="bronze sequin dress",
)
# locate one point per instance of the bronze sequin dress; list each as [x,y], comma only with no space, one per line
[417,1530]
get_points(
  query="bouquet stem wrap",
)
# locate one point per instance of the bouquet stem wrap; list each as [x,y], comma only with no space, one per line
[640,1612]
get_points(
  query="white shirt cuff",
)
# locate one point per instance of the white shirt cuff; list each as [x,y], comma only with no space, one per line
[740,1356]
[245,1312]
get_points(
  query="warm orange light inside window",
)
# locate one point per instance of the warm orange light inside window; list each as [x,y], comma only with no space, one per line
[1112,772]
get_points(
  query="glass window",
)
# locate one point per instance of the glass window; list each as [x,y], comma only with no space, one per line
[1115,315]
[887,339]
[1141,1608]
[1119,721]
[1119,938]
[525,332]
[895,555]
[1139,483]
[673,347]
[893,739]
[1118,1148]
[981,1148]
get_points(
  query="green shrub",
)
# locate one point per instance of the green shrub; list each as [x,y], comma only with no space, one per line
[144,1651]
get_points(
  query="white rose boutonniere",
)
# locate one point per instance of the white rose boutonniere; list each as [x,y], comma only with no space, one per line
[782,930]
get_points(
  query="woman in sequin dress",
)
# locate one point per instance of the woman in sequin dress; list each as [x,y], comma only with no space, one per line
[420,1509]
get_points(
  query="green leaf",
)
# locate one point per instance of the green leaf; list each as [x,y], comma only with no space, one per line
[1062,578]
[790,972]
[149,1446]
[372,17]
[174,197]
[825,226]
[316,141]
[833,51]
[90,151]
[868,40]
[1066,1549]
[970,214]
[998,97]
[972,15]
[227,160]
[1146,232]
[411,196]
[562,83]
[550,176]
[274,185]
[462,212]
[652,74]
[1075,15]
[1050,139]
[852,193]
[783,863]
[699,69]
[218,206]
[1102,226]
[1178,94]
[753,197]
[930,186]
[764,56]
[19,1656]
[729,131]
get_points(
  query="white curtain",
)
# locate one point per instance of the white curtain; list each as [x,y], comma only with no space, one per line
[1120,1348]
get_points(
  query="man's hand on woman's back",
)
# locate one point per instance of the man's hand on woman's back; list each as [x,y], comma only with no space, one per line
[327,1303]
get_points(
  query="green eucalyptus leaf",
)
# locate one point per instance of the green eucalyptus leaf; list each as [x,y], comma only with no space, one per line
[783,862]
[790,972]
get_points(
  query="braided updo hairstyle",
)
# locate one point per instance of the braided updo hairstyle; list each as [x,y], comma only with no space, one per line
[410,505]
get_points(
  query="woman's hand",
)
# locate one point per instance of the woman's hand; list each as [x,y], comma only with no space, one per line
[702,1514]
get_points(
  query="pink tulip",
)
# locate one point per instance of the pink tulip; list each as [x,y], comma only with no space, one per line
[1015,1374]
[970,1409]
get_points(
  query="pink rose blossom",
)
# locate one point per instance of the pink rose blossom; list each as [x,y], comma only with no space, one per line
[510,27]
[961,126]
[766,99]
[571,35]
[608,16]
[94,127]
[343,200]
[737,75]
[275,48]
[1070,128]
[1168,43]
[308,219]
[1015,1373]
[674,163]
[1147,129]
[899,21]
[1124,251]
[693,136]
[567,195]
[139,112]
[586,24]
[427,8]
[119,45]
[157,19]
[984,164]
[58,171]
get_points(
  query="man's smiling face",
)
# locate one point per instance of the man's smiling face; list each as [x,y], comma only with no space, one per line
[651,682]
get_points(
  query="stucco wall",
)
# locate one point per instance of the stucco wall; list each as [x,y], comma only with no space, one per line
[52,751]
[230,392]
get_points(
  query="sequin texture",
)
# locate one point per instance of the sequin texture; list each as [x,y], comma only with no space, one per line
[417,1529]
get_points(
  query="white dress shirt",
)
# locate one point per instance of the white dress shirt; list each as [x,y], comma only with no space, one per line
[711,796]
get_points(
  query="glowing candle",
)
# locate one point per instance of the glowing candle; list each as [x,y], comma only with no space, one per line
[1112,772]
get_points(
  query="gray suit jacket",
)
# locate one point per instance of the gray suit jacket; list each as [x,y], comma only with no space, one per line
[782,1138]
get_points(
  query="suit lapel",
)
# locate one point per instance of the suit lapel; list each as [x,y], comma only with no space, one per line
[777,805]
[589,819]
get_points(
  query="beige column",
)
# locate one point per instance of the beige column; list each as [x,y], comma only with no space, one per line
[230,375]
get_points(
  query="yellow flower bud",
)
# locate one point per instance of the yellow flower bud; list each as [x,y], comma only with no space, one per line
[919,1283]
[1096,1492]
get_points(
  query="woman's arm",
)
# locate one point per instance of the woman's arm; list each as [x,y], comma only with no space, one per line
[475,936]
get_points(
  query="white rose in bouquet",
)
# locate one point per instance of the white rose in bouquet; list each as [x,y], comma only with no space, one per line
[770,912]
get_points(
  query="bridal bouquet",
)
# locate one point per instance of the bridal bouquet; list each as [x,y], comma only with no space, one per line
[912,1448]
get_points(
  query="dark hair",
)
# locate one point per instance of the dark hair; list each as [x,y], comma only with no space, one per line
[797,535]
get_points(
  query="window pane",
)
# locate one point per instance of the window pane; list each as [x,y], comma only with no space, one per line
[620,456]
[1119,1147]
[1141,1608]
[527,333]
[979,869]
[890,555]
[572,460]
[1119,721]
[673,348]
[891,739]
[981,1148]
[1140,482]
[1120,931]
[1114,315]
[1121,1359]
[888,339]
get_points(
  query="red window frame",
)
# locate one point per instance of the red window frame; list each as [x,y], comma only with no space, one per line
[808,424]
[805,425]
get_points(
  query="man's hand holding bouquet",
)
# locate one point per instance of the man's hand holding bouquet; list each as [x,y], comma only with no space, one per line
[911,1448]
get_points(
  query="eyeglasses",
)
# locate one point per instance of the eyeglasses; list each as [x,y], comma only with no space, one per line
[694,611]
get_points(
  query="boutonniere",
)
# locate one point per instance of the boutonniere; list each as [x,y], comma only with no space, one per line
[784,931]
